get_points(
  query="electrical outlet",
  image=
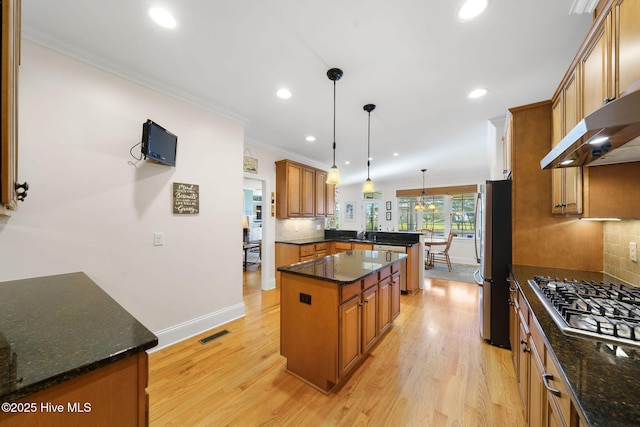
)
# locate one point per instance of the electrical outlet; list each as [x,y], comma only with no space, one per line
[633,251]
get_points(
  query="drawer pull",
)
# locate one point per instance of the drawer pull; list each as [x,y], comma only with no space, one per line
[545,381]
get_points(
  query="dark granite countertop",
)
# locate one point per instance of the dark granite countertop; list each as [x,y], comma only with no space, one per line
[59,327]
[346,267]
[377,241]
[604,379]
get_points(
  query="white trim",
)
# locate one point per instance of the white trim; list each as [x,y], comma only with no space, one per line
[191,328]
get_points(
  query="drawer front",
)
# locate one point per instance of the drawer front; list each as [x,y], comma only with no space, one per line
[385,272]
[370,280]
[321,247]
[524,308]
[396,267]
[536,335]
[307,250]
[343,246]
[349,291]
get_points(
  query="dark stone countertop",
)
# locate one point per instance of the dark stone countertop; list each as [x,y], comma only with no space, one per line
[58,328]
[605,383]
[375,238]
[345,267]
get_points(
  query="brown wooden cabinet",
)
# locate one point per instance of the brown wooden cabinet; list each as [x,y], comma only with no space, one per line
[625,41]
[10,60]
[566,183]
[115,394]
[301,191]
[545,395]
[325,338]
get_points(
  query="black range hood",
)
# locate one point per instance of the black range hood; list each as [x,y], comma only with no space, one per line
[609,135]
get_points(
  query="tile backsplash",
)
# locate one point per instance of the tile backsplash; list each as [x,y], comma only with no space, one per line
[617,262]
[303,228]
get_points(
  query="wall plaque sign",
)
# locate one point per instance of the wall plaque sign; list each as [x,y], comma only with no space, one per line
[186,198]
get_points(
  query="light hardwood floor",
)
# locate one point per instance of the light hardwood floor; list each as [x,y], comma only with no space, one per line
[431,369]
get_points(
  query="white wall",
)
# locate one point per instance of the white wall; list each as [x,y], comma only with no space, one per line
[89,209]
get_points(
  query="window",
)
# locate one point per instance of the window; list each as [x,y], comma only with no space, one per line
[452,212]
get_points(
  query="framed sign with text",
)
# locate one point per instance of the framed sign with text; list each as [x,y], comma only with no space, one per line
[186,198]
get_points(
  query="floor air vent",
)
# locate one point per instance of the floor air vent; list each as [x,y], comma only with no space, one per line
[213,337]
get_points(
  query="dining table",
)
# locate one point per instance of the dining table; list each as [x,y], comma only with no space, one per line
[429,244]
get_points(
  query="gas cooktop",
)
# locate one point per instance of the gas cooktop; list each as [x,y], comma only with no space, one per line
[609,312]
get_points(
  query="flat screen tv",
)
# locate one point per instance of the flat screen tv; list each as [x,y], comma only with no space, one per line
[158,144]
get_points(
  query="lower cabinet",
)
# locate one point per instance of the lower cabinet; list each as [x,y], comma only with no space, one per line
[326,329]
[545,396]
[113,395]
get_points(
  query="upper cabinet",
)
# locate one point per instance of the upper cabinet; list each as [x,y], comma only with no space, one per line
[566,183]
[626,44]
[10,59]
[302,192]
[606,67]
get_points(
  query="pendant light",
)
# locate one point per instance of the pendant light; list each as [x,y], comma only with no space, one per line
[333,177]
[420,205]
[368,184]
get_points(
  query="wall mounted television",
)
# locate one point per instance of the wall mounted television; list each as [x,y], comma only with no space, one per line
[158,144]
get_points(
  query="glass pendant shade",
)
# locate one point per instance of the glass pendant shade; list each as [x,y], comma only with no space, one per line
[334,176]
[420,206]
[368,186]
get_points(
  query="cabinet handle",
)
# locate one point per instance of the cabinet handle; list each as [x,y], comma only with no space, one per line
[526,350]
[360,304]
[608,100]
[523,342]
[366,301]
[545,381]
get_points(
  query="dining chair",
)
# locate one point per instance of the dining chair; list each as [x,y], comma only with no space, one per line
[443,255]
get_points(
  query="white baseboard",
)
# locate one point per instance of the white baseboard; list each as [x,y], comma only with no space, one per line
[191,328]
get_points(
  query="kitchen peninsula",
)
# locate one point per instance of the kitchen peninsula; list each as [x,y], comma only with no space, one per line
[70,355]
[334,309]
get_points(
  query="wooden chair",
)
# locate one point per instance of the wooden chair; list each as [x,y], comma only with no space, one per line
[443,255]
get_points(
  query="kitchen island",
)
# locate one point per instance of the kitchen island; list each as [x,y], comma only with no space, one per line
[333,310]
[600,378]
[70,355]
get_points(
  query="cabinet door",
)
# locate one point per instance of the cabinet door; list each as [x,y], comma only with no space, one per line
[537,391]
[308,192]
[557,132]
[10,59]
[369,317]
[627,30]
[294,190]
[395,295]
[350,336]
[523,362]
[572,176]
[596,69]
[321,193]
[513,328]
[384,305]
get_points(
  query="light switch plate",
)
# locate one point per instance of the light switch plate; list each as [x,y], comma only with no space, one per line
[633,251]
[158,239]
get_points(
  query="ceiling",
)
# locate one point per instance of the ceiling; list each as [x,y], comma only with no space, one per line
[411,58]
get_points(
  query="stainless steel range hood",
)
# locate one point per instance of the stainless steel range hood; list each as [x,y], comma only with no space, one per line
[609,135]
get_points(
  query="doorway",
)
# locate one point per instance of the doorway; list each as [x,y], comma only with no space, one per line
[257,233]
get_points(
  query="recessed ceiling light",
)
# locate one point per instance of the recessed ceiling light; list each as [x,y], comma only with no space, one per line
[283,93]
[162,17]
[471,9]
[477,93]
[310,138]
[396,154]
[347,162]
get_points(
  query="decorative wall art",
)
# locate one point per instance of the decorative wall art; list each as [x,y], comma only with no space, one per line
[186,198]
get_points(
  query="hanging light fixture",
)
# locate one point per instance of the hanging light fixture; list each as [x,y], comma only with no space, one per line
[420,206]
[368,184]
[334,74]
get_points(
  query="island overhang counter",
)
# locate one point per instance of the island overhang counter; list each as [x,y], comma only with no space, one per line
[334,309]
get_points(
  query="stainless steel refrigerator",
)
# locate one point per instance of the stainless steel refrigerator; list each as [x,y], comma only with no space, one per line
[495,259]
